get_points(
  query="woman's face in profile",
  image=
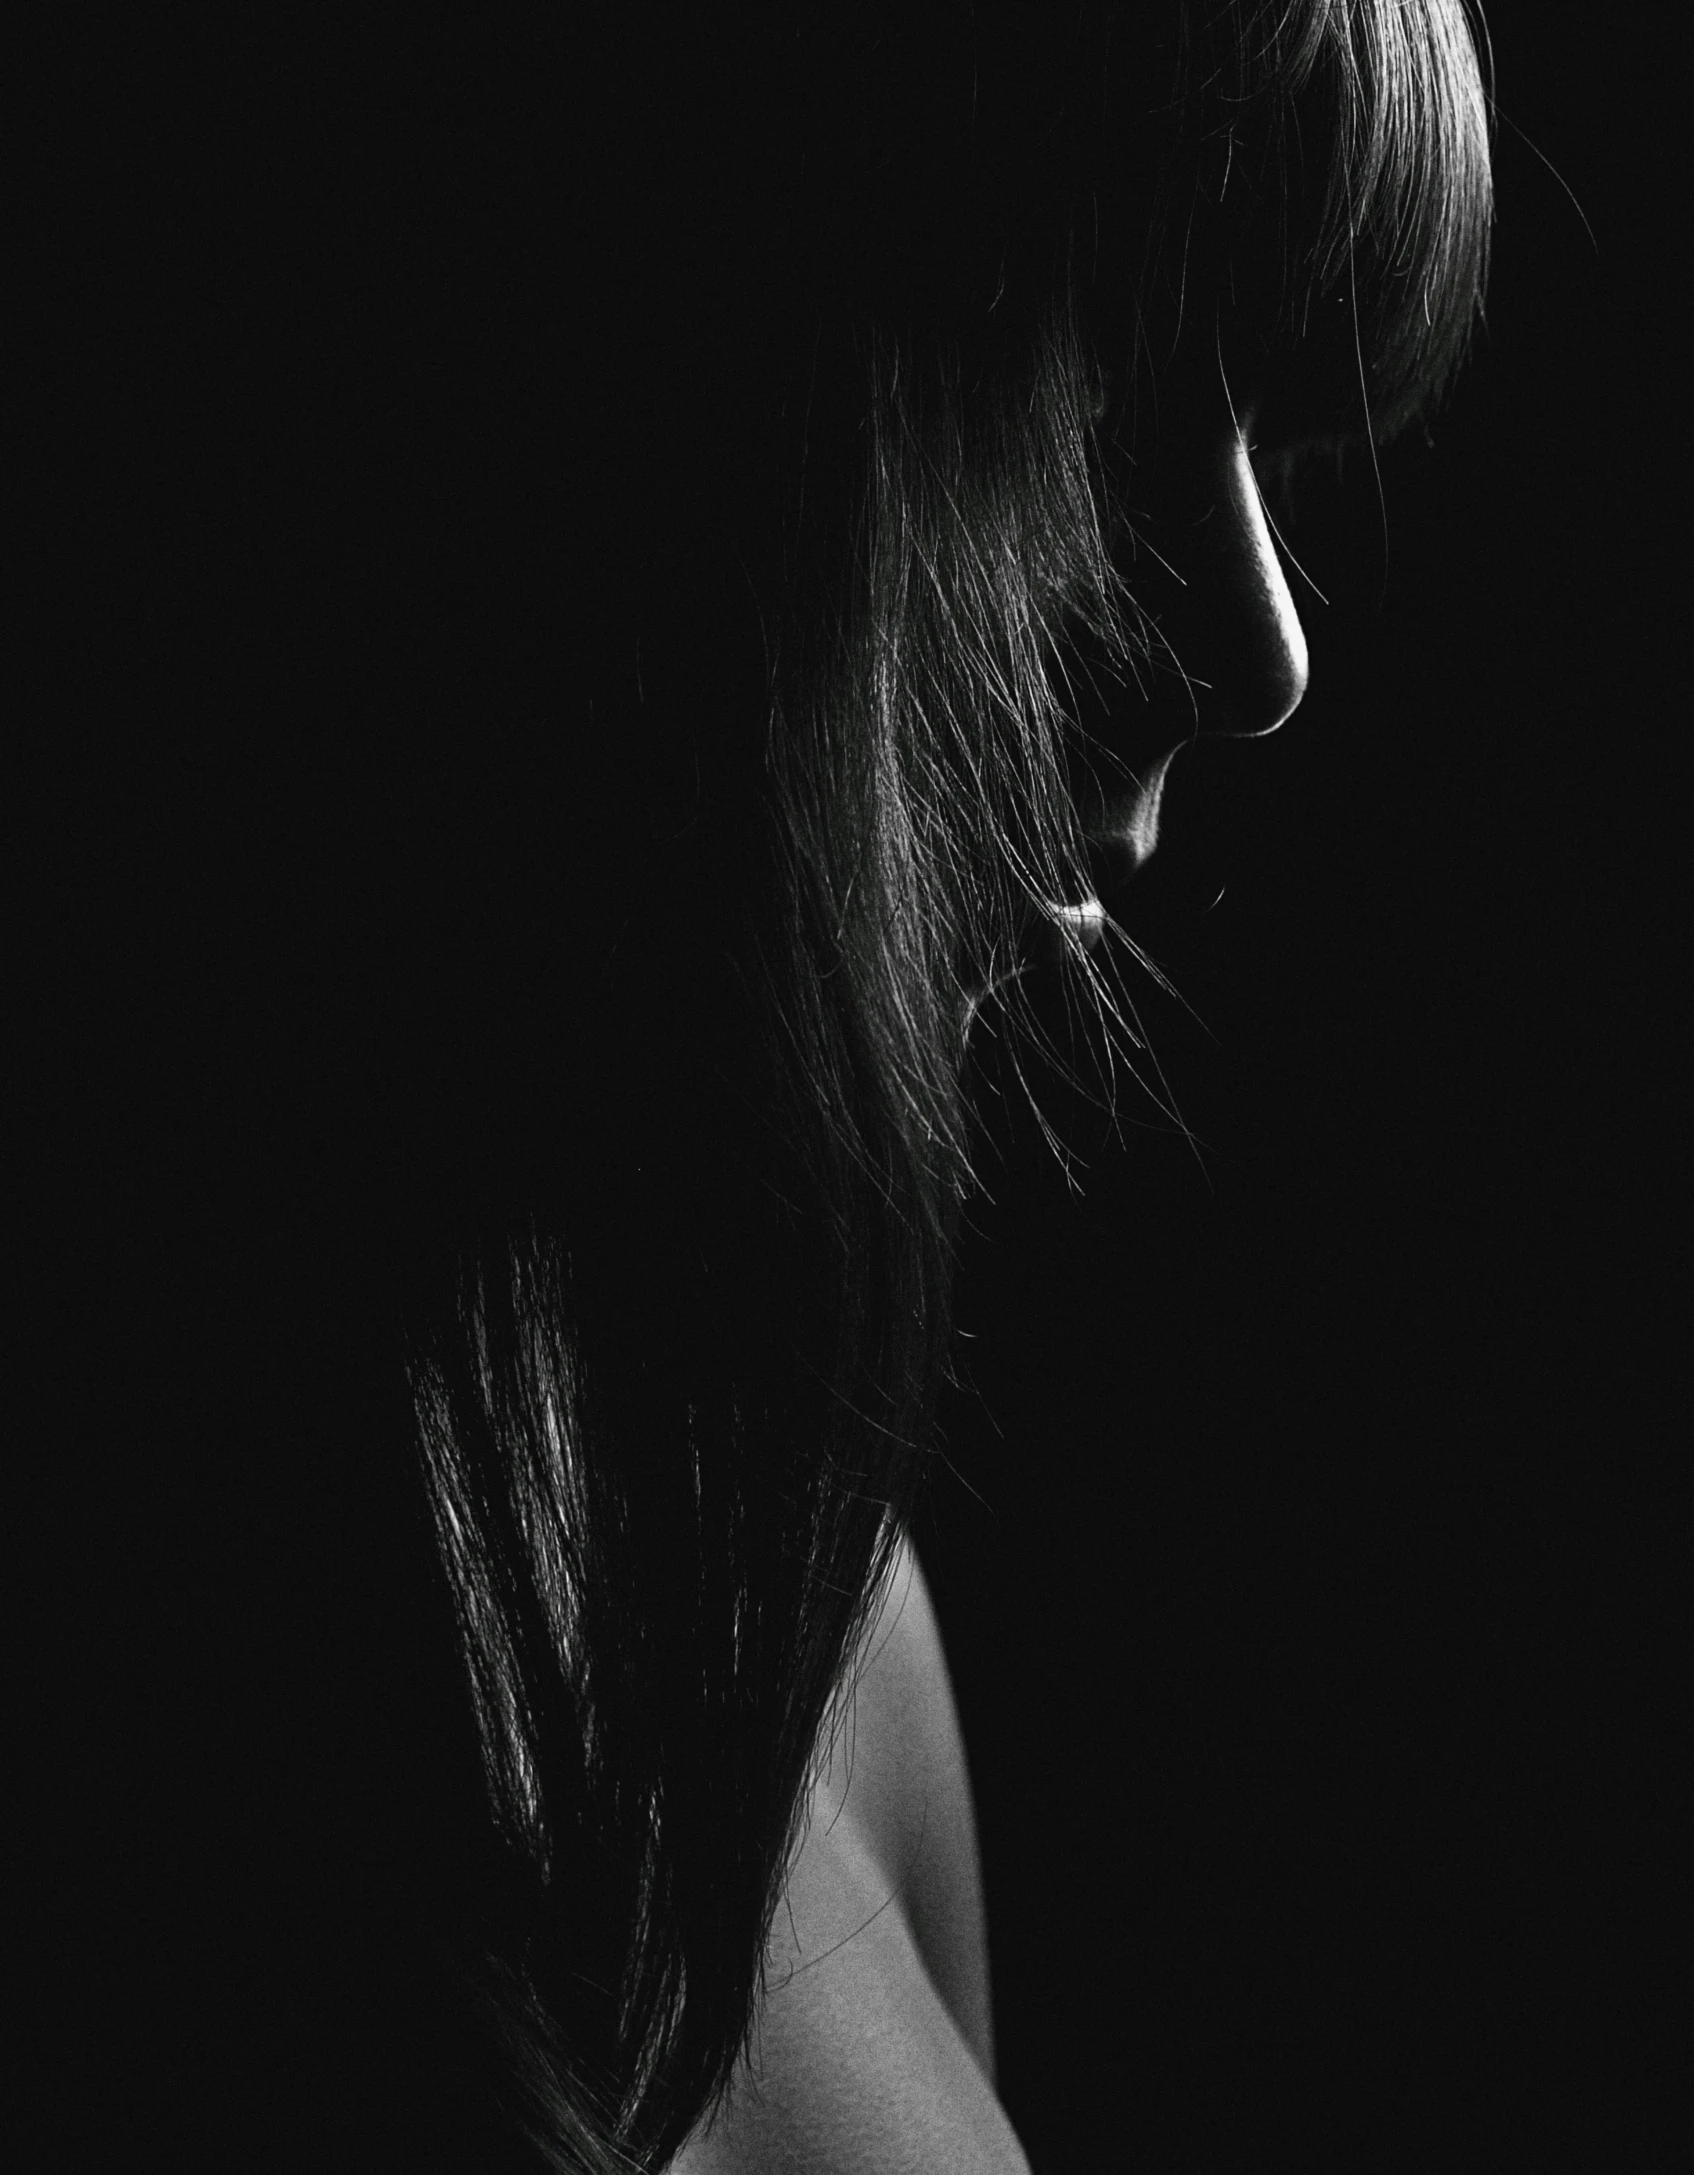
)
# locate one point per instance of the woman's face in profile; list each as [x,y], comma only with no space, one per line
[1230,652]
[1229,656]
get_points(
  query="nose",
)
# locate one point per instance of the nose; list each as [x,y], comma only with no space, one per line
[1230,622]
[1260,666]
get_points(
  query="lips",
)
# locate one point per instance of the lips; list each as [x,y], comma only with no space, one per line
[1126,831]
[1055,932]
[1122,836]
[1083,925]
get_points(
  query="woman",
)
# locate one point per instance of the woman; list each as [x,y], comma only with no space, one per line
[727,633]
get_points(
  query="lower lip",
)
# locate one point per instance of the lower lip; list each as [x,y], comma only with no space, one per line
[1083,925]
[1079,928]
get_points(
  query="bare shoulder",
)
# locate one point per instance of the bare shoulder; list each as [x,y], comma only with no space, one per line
[905,1782]
[856,2066]
[874,2051]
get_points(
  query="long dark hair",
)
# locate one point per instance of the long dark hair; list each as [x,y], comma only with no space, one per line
[704,629]
[671,1446]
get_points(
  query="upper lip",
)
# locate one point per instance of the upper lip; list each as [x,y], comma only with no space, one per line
[1123,830]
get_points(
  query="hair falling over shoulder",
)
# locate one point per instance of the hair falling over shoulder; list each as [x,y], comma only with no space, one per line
[670,1437]
[674,493]
[670,1445]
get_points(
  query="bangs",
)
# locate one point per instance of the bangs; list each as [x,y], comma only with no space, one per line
[1354,207]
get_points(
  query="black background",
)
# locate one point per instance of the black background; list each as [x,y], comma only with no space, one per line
[1307,1559]
[1308,1562]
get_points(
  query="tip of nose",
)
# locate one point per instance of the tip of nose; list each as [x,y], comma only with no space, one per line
[1262,721]
[1290,696]
[1299,671]
[1277,693]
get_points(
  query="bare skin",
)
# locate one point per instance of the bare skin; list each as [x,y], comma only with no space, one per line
[876,2055]
[877,2052]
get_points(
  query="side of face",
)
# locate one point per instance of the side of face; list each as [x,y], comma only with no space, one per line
[1197,550]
